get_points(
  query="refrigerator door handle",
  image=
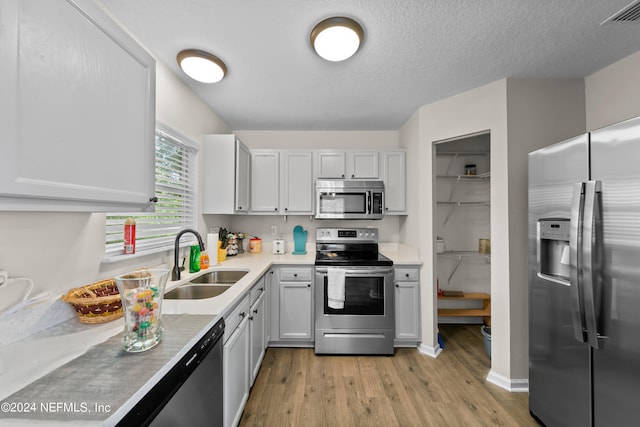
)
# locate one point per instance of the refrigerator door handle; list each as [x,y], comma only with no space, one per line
[575,263]
[592,263]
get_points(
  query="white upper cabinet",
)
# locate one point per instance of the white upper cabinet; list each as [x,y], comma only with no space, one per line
[297,182]
[330,165]
[77,110]
[394,176]
[265,181]
[362,165]
[347,165]
[281,182]
[226,175]
[243,178]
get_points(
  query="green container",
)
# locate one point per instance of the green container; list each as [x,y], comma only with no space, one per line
[194,259]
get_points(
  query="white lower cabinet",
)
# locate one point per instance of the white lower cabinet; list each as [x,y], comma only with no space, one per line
[291,307]
[407,305]
[236,373]
[257,328]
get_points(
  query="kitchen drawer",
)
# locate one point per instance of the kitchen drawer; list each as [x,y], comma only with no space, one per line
[296,274]
[235,317]
[256,291]
[406,274]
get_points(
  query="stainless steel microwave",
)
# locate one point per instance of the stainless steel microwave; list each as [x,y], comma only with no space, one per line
[349,199]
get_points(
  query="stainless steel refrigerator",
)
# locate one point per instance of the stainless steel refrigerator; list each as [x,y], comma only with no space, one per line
[584,279]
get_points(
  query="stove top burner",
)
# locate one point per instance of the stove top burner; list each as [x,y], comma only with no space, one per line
[379,260]
[349,247]
[341,258]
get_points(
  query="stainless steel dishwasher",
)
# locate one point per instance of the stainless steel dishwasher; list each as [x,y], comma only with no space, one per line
[191,393]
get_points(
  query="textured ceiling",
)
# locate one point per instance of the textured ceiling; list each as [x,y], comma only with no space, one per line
[415,52]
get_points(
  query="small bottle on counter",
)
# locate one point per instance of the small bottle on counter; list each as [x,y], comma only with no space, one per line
[194,259]
[130,236]
[204,260]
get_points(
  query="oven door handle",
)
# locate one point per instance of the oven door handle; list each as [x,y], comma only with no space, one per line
[368,271]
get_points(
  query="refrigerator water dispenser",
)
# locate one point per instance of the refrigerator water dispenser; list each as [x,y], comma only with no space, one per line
[553,249]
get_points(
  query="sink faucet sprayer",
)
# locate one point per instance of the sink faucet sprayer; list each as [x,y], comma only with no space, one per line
[175,273]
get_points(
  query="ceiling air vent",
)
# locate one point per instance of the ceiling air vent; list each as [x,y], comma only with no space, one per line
[630,13]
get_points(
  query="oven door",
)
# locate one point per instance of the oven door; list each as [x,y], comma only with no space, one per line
[366,324]
[368,297]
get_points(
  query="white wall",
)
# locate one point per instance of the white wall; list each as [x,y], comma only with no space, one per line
[409,136]
[471,112]
[540,113]
[613,93]
[520,115]
[60,251]
[374,140]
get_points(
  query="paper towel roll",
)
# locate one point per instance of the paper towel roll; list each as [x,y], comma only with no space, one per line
[212,248]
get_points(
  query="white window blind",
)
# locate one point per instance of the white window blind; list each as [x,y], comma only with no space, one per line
[176,192]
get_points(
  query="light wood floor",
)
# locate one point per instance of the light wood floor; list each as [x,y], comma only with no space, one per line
[297,388]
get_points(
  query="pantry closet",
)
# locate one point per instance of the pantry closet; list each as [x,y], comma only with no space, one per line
[463,210]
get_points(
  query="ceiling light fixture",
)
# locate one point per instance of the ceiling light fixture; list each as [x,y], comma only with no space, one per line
[337,38]
[201,66]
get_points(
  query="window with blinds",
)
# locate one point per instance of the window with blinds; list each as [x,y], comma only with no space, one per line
[176,206]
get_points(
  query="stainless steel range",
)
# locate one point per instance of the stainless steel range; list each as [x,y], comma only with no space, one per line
[354,293]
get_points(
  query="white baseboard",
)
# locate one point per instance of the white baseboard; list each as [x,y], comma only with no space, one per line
[429,351]
[512,385]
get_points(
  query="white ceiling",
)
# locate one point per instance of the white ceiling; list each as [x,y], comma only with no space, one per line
[415,52]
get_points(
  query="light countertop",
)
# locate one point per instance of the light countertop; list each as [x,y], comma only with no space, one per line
[31,364]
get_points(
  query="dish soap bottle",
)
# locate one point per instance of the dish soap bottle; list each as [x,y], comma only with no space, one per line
[194,259]
[204,260]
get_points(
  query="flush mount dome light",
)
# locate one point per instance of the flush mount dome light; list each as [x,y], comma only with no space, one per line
[201,66]
[337,38]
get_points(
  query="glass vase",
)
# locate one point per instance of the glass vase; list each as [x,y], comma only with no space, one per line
[142,292]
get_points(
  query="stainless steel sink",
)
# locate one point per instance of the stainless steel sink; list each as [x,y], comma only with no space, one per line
[208,285]
[223,277]
[196,291]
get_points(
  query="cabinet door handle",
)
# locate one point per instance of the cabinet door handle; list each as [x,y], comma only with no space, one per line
[397,286]
[243,314]
[250,317]
[407,274]
[286,209]
[353,175]
[276,209]
[295,274]
[255,311]
[153,199]
[261,289]
[308,285]
[343,175]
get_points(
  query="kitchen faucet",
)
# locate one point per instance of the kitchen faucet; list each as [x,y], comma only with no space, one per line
[175,273]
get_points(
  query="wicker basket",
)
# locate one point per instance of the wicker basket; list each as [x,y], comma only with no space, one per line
[98,302]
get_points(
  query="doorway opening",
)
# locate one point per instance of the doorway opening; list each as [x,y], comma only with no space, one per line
[462,181]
